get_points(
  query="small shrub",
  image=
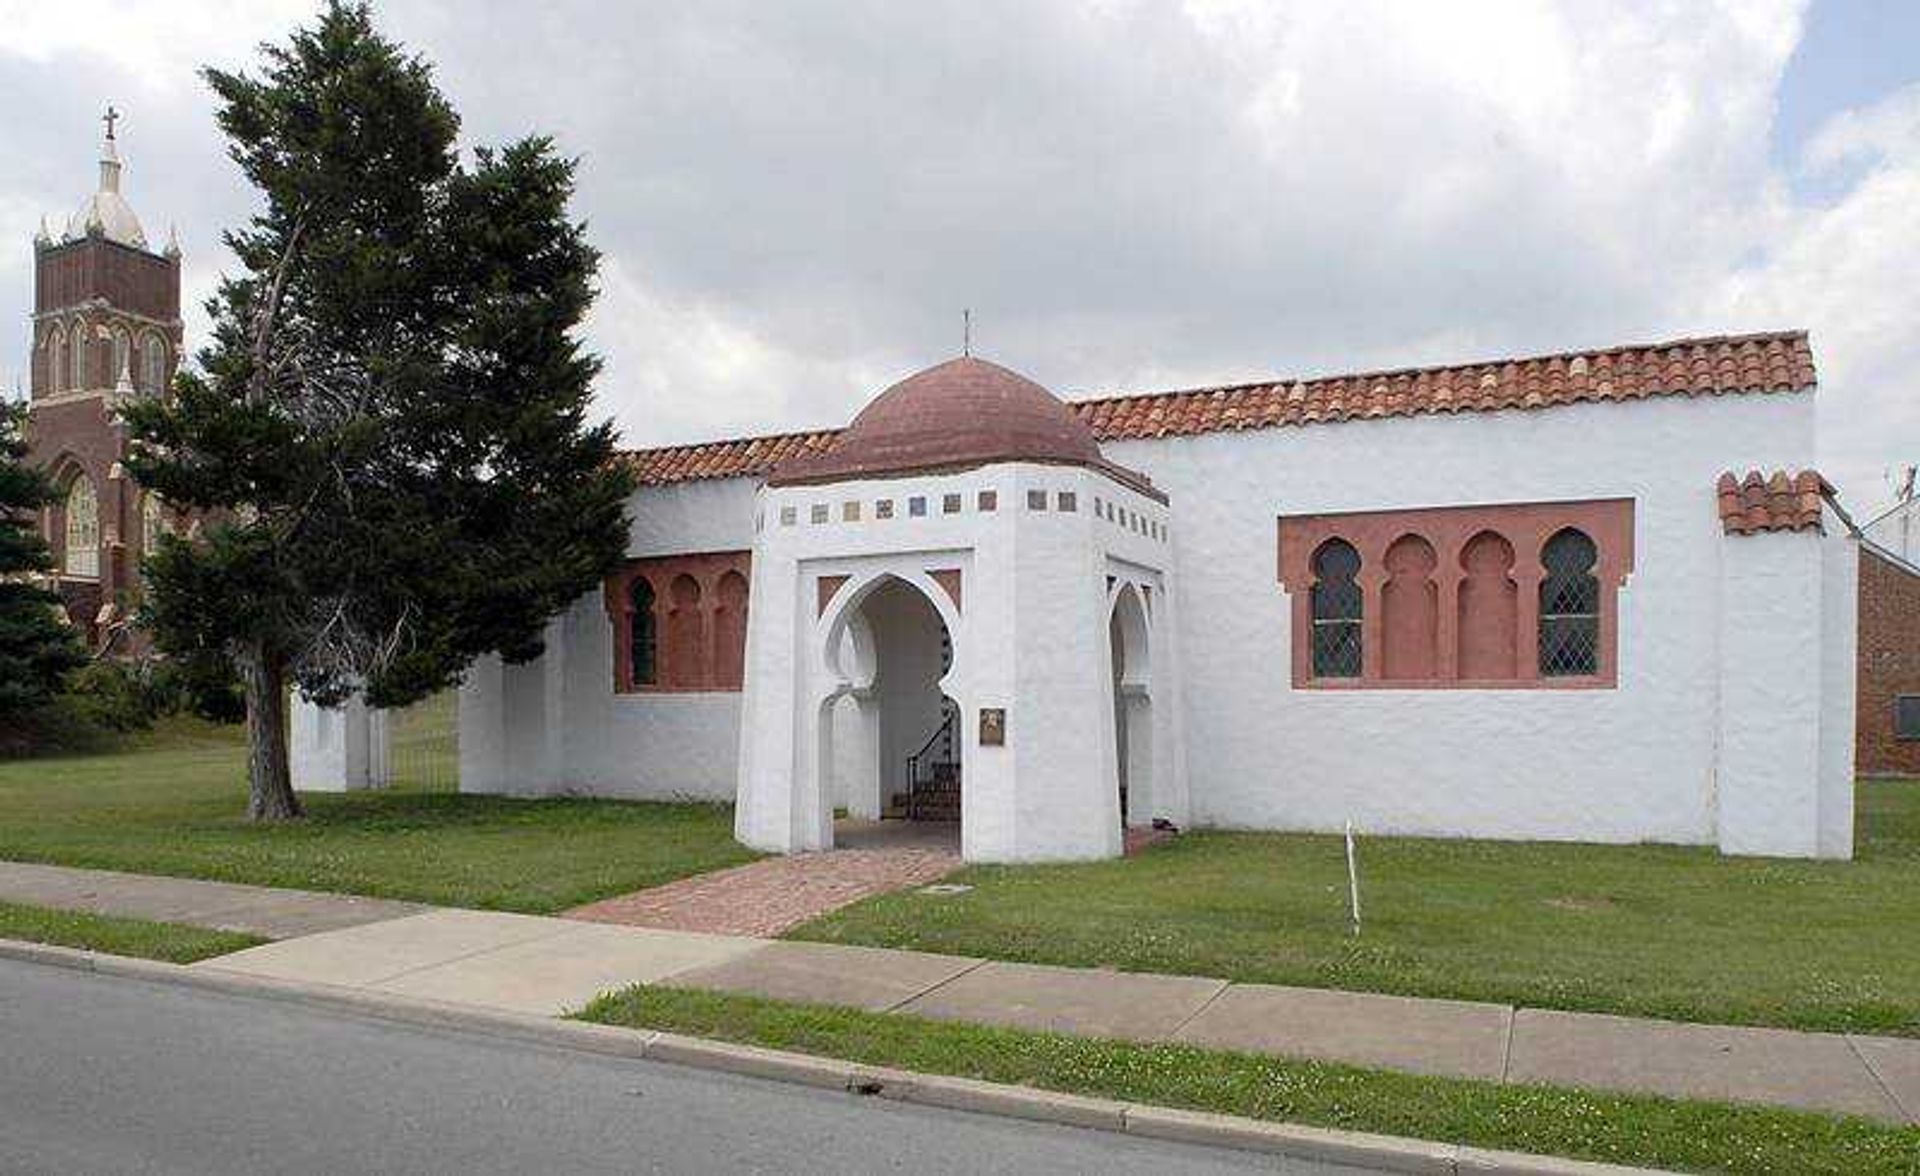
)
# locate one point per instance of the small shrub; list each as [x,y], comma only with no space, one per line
[111,695]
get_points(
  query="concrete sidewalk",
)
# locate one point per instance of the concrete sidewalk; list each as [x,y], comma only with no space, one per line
[224,906]
[546,966]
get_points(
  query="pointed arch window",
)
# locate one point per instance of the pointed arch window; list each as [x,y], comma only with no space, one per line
[77,359]
[1337,608]
[82,551]
[122,358]
[153,523]
[1569,606]
[57,361]
[643,634]
[153,364]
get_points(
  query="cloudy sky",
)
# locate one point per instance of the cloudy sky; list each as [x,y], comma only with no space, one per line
[795,200]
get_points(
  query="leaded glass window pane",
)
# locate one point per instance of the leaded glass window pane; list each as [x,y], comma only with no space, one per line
[1337,605]
[645,645]
[1569,607]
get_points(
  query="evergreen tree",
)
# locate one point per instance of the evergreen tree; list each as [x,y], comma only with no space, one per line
[37,647]
[390,431]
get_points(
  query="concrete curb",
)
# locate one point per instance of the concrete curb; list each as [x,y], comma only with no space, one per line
[1388,1153]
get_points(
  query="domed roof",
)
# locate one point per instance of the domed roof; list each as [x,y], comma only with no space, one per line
[956,415]
[106,213]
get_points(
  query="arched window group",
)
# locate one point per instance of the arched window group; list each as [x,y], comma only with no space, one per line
[143,362]
[1457,596]
[681,623]
[80,556]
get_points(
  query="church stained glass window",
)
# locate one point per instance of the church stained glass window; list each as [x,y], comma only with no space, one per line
[82,555]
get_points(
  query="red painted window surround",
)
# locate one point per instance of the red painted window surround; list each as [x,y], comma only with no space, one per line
[1452,593]
[699,619]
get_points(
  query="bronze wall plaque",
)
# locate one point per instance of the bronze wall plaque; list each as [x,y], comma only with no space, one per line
[993,726]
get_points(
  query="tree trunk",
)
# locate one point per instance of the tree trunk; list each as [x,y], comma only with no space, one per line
[269,782]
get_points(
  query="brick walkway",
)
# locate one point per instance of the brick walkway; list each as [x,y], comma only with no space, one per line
[767,897]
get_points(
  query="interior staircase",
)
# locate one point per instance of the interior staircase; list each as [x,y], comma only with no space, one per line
[933,777]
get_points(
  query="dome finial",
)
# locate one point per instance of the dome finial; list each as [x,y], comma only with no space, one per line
[966,333]
[105,213]
[110,153]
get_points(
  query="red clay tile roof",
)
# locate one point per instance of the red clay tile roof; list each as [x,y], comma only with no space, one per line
[1758,503]
[747,457]
[1774,362]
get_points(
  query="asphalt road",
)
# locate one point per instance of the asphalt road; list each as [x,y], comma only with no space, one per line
[108,1075]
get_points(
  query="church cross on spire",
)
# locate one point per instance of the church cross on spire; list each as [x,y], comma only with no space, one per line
[110,117]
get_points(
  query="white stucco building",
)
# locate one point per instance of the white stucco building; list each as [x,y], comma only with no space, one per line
[1595,596]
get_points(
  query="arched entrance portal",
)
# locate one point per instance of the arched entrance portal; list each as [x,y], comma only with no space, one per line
[893,741]
[1127,635]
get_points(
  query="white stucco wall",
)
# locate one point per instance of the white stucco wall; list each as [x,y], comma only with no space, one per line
[1626,764]
[1839,669]
[336,749]
[557,726]
[1788,640]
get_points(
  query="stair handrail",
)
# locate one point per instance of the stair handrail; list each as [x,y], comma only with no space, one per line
[950,718]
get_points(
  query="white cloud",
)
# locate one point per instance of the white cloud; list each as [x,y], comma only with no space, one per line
[144,40]
[796,202]
[1845,270]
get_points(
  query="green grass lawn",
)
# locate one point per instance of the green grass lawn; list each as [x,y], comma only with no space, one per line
[1620,1128]
[127,937]
[1649,930]
[173,802]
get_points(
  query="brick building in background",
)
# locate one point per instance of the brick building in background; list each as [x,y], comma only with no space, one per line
[106,328]
[1889,685]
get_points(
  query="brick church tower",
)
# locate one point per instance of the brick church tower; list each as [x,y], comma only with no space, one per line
[106,328]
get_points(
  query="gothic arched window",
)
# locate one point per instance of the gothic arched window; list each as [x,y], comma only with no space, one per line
[153,523]
[77,357]
[643,641]
[153,374]
[57,361]
[122,358]
[1569,606]
[1336,610]
[82,554]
